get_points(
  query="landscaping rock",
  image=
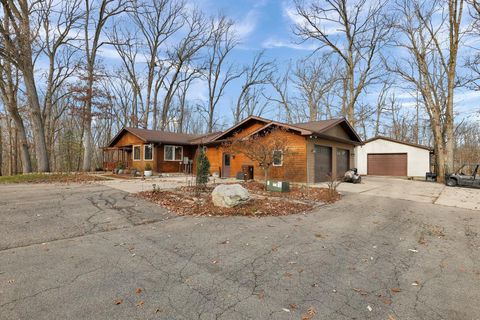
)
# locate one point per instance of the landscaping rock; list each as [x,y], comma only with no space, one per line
[229,195]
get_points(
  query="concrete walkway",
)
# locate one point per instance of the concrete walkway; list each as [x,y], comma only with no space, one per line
[418,191]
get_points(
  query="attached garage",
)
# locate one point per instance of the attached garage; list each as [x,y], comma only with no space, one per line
[382,156]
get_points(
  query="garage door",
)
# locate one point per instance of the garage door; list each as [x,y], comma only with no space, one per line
[383,164]
[343,162]
[323,163]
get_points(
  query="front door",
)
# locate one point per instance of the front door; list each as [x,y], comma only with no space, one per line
[323,163]
[226,165]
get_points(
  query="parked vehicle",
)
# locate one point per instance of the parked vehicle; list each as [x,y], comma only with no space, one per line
[468,176]
[352,176]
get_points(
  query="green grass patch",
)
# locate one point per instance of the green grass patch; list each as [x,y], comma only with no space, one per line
[50,178]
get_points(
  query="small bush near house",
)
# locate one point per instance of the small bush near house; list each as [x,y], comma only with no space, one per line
[203,169]
[148,167]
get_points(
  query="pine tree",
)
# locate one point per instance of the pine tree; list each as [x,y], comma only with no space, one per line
[203,168]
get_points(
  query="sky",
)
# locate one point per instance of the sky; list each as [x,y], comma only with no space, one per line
[267,25]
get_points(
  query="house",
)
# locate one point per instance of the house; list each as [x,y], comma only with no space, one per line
[384,156]
[318,149]
[164,151]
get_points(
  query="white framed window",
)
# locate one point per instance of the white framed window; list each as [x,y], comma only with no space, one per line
[136,153]
[277,158]
[148,152]
[172,153]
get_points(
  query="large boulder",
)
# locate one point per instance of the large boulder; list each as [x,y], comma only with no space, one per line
[229,195]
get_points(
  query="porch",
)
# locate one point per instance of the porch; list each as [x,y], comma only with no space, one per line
[116,156]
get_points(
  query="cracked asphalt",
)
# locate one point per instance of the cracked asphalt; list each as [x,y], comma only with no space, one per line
[92,252]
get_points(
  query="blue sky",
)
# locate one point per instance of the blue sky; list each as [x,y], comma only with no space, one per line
[267,25]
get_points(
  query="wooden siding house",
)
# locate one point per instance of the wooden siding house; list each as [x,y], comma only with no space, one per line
[316,150]
[164,151]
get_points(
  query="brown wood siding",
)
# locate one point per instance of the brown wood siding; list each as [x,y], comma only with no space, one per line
[173,166]
[293,167]
[383,164]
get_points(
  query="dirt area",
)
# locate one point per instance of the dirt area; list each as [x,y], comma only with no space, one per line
[189,201]
[51,178]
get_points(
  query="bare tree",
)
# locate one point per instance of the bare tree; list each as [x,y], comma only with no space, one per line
[182,55]
[97,13]
[58,45]
[260,72]
[156,21]
[16,48]
[218,74]
[355,32]
[281,86]
[431,66]
[9,83]
[128,48]
[314,78]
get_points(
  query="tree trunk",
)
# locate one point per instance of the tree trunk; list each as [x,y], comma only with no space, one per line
[20,128]
[37,122]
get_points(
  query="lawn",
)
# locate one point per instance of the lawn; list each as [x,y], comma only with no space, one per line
[50,178]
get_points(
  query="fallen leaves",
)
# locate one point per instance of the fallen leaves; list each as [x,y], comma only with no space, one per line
[118,301]
[396,290]
[138,290]
[185,201]
[361,291]
[140,303]
[311,312]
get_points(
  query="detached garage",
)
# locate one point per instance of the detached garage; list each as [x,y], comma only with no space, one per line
[382,156]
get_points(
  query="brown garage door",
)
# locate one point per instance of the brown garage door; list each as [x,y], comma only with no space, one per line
[343,162]
[383,164]
[323,163]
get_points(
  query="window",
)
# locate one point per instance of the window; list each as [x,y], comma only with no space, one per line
[136,153]
[277,158]
[148,152]
[173,153]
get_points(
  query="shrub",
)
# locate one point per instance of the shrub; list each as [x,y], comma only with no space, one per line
[203,168]
[148,167]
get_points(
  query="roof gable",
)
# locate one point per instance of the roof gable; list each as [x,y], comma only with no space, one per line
[399,142]
[335,128]
[248,125]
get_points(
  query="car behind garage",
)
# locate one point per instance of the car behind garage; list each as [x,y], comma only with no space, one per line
[382,156]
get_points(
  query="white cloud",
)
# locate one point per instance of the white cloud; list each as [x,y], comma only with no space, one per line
[327,26]
[278,43]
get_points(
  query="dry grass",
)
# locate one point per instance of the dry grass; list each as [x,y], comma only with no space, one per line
[50,178]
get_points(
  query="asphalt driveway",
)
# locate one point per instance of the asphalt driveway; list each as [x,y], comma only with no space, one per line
[92,252]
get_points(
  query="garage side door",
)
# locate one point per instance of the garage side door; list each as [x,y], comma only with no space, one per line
[383,164]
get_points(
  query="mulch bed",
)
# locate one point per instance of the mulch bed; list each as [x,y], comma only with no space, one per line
[185,201]
[296,192]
